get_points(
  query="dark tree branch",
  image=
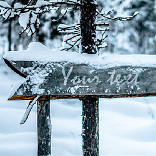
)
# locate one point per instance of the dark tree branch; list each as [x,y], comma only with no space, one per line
[71,45]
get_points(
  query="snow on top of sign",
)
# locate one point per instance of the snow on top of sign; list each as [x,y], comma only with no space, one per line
[38,52]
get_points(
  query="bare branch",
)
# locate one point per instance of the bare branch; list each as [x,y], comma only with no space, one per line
[27,4]
[8,16]
[102,24]
[62,16]
[72,37]
[72,45]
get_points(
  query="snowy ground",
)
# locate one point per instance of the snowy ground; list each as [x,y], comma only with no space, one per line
[127,125]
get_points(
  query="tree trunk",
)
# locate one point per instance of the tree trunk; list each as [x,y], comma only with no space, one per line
[90,111]
[44,127]
[9,35]
[88,28]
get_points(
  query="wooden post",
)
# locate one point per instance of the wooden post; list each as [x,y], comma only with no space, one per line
[90,111]
[44,127]
[90,126]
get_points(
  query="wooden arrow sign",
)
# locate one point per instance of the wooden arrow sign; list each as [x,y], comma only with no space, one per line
[76,79]
[70,80]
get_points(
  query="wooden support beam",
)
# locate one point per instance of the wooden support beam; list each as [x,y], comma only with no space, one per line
[44,127]
[90,126]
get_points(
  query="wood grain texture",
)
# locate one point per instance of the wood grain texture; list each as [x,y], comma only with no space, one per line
[69,80]
[44,127]
[90,126]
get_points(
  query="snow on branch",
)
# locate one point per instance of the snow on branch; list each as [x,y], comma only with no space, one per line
[102,27]
[72,37]
[40,4]
[100,42]
[69,29]
[28,110]
[28,14]
[29,19]
[122,18]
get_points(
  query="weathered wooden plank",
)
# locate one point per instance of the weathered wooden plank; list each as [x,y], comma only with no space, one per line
[71,80]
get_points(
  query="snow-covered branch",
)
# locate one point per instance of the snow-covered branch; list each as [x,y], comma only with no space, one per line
[72,37]
[120,18]
[40,4]
[69,29]
[100,42]
[29,14]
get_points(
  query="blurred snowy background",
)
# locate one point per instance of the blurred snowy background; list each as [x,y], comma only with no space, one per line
[127,125]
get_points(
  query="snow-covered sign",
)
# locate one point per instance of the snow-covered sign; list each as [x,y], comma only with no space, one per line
[60,74]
